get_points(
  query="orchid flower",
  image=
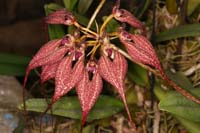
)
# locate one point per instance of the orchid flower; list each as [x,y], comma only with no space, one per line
[82,61]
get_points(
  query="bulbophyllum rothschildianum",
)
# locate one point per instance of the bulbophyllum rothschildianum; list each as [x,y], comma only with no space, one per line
[85,58]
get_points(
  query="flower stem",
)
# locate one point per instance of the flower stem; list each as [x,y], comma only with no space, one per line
[93,51]
[113,34]
[105,23]
[95,13]
[85,29]
[92,42]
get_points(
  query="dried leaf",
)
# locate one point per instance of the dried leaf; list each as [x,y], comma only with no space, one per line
[88,92]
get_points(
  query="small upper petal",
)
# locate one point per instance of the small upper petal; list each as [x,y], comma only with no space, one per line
[123,15]
[140,49]
[61,17]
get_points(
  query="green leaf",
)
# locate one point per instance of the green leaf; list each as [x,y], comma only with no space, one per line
[143,6]
[159,92]
[55,31]
[180,79]
[178,105]
[179,31]
[69,4]
[70,107]
[71,29]
[81,19]
[84,5]
[14,65]
[112,25]
[131,96]
[89,128]
[181,109]
[138,74]
[10,69]
[51,7]
[192,127]
[6,58]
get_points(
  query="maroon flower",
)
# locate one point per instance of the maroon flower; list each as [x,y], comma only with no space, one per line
[49,72]
[114,72]
[140,49]
[63,60]
[88,90]
[123,15]
[50,53]
[61,17]
[67,77]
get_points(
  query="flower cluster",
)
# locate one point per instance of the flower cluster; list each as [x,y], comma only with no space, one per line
[83,59]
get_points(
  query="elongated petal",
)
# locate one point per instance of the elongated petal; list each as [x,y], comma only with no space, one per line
[44,51]
[67,77]
[121,65]
[45,56]
[114,73]
[141,50]
[50,59]
[60,17]
[63,73]
[47,60]
[77,72]
[47,49]
[88,92]
[108,72]
[48,72]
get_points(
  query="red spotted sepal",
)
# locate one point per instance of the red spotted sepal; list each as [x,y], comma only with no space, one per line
[89,88]
[60,17]
[113,69]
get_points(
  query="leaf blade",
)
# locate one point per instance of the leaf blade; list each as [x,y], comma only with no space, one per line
[70,107]
[84,5]
[14,70]
[179,31]
[6,58]
[178,105]
[69,4]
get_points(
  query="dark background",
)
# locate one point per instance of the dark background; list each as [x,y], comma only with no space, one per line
[22,27]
